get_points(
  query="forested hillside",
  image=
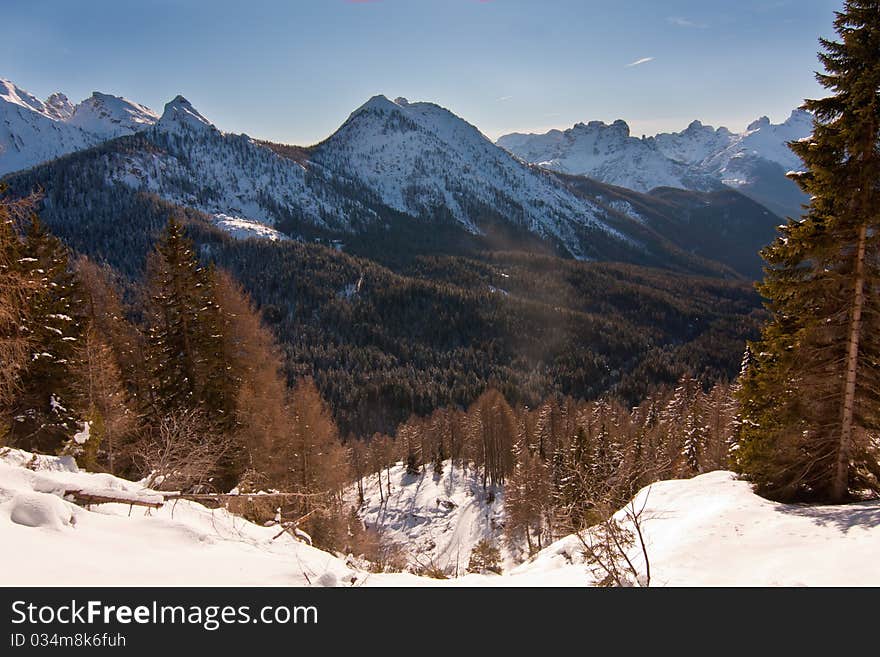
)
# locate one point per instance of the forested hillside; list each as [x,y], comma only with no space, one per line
[382,344]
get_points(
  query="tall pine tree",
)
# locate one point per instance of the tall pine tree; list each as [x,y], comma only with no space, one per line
[811,394]
[186,340]
[44,410]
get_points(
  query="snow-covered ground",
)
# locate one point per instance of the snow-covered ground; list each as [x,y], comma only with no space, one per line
[241,228]
[436,519]
[707,531]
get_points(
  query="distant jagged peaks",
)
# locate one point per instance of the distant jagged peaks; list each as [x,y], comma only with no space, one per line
[180,113]
[33,131]
[606,152]
[696,158]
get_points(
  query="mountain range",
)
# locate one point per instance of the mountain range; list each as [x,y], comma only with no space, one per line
[699,158]
[420,174]
[407,262]
[33,131]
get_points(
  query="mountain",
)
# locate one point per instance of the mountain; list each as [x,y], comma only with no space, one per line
[33,131]
[185,159]
[700,158]
[397,178]
[422,160]
[694,144]
[607,153]
[721,225]
[407,312]
[111,116]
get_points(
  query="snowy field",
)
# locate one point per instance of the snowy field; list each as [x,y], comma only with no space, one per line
[707,531]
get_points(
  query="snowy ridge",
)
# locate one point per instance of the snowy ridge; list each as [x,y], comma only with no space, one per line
[699,158]
[245,185]
[33,131]
[607,153]
[420,157]
[762,140]
[693,144]
[180,115]
[30,133]
[110,116]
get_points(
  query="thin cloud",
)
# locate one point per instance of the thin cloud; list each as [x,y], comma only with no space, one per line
[639,62]
[678,21]
[503,98]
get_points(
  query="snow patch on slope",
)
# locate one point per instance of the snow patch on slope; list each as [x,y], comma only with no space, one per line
[241,228]
[436,519]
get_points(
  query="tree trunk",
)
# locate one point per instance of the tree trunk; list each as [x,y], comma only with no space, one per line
[844,448]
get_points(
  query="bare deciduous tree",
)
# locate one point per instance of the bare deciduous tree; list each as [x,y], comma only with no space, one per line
[14,288]
[609,544]
[183,452]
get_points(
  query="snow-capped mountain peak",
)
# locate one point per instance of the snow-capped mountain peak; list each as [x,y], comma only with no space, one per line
[420,159]
[758,124]
[180,113]
[59,106]
[33,131]
[111,116]
[14,95]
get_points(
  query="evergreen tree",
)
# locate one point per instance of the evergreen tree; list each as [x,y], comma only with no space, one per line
[44,411]
[187,349]
[809,398]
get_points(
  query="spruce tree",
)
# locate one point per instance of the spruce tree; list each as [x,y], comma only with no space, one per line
[45,415]
[810,393]
[187,350]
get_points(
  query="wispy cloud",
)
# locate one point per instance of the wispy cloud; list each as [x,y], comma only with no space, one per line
[639,62]
[504,98]
[678,21]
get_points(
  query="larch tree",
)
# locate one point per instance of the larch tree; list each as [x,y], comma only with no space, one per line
[107,373]
[15,288]
[810,398]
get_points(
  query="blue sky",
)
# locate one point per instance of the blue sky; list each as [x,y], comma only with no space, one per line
[293,70]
